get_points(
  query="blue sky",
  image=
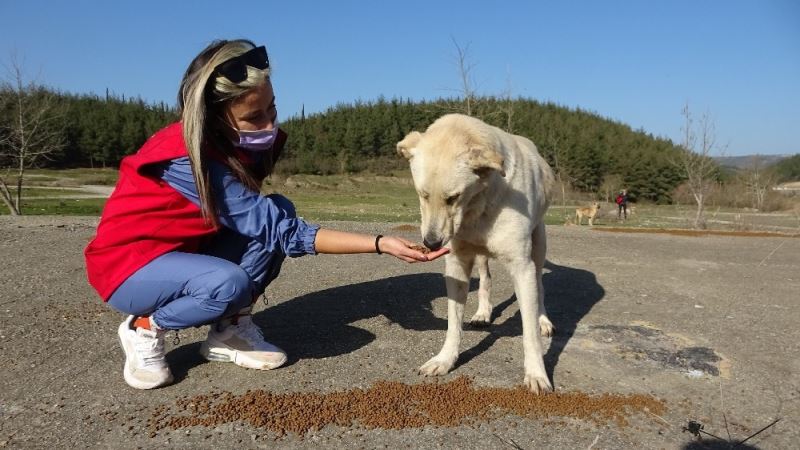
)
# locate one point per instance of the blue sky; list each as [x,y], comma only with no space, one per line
[636,62]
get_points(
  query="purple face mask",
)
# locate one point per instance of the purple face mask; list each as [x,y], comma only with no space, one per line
[257,141]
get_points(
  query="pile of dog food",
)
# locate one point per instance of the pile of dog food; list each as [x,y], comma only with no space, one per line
[421,248]
[394,405]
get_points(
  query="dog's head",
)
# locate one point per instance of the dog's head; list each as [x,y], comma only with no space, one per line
[451,163]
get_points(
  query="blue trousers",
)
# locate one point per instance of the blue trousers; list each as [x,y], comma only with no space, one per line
[181,290]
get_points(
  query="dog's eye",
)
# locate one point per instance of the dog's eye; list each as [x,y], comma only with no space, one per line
[423,195]
[452,199]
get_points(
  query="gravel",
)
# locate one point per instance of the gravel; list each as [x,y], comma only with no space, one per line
[699,325]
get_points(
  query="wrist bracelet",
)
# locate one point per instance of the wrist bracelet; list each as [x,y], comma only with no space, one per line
[377,239]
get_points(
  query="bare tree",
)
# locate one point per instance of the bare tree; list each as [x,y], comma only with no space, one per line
[611,185]
[507,103]
[561,170]
[758,181]
[471,103]
[31,133]
[465,66]
[695,162]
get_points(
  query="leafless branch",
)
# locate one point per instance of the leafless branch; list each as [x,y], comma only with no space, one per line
[560,168]
[758,182]
[31,134]
[695,162]
[465,67]
[507,103]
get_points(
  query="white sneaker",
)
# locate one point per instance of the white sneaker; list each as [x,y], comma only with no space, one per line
[243,344]
[145,364]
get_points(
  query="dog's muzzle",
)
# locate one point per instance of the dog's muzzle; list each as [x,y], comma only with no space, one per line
[433,244]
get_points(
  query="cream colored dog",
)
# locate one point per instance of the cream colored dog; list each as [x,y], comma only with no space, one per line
[484,193]
[590,212]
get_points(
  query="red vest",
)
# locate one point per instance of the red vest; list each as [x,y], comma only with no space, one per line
[144,218]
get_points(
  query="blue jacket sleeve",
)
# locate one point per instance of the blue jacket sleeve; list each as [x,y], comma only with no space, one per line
[270,219]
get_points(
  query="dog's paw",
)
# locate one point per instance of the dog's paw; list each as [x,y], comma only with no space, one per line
[435,367]
[537,384]
[480,320]
[545,326]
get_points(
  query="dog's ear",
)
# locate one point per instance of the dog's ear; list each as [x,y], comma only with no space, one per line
[483,160]
[408,143]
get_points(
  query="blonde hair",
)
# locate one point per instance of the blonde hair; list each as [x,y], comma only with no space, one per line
[202,98]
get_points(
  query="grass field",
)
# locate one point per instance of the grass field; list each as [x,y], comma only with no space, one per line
[340,197]
[62,207]
[370,198]
[71,177]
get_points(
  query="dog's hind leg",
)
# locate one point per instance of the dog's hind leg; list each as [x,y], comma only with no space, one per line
[458,268]
[539,255]
[483,316]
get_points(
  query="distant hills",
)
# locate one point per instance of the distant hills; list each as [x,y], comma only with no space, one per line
[745,161]
[784,168]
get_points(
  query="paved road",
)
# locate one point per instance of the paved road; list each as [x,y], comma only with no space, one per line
[84,191]
[708,324]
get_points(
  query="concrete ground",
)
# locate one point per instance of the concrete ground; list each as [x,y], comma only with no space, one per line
[709,324]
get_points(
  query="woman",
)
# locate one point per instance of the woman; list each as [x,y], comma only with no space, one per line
[186,239]
[622,204]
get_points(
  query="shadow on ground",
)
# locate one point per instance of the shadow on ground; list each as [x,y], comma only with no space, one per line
[183,358]
[570,294]
[318,325]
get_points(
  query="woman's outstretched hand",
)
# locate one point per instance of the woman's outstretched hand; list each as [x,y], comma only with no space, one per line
[403,249]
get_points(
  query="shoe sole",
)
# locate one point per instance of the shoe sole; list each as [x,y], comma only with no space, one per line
[126,372]
[222,354]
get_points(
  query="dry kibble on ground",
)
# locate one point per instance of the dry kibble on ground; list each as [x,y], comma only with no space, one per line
[394,405]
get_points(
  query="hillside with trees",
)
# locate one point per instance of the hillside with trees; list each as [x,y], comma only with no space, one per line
[787,169]
[589,152]
[96,131]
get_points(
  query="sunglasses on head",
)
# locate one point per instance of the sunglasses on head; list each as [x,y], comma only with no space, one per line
[235,69]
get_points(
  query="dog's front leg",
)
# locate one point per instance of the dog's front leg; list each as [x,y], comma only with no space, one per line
[527,289]
[457,272]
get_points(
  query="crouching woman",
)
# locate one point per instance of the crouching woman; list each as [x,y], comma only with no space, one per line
[186,239]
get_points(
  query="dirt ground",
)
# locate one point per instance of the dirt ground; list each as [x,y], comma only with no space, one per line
[705,323]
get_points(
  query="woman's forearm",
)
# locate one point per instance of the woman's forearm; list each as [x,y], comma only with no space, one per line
[341,242]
